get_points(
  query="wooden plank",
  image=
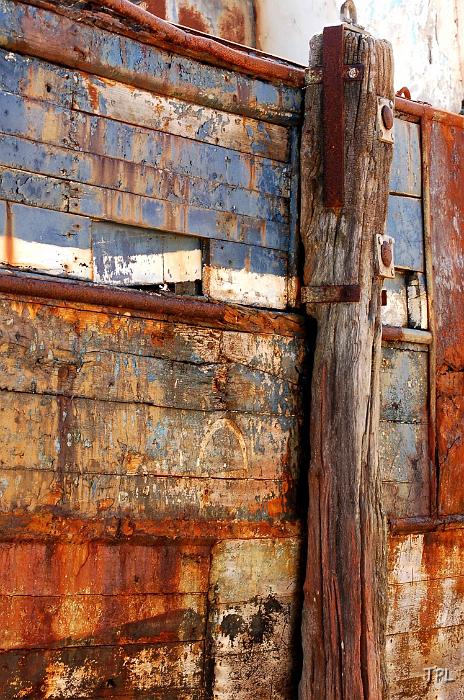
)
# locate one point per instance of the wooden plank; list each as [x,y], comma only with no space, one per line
[404,462]
[99,569]
[130,105]
[93,331]
[22,75]
[242,676]
[37,622]
[405,225]
[432,604]
[129,256]
[406,171]
[59,39]
[42,239]
[395,313]
[269,567]
[139,178]
[103,137]
[163,671]
[447,224]
[425,557]
[154,498]
[120,438]
[137,211]
[246,275]
[404,386]
[409,655]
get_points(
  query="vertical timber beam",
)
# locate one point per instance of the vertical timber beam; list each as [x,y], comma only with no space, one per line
[345,588]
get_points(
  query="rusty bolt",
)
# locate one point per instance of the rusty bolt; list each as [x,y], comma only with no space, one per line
[386,253]
[387,117]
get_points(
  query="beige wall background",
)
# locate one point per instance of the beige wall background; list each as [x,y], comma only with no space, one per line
[427,37]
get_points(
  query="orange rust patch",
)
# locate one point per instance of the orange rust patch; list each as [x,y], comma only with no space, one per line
[232,25]
[190,17]
[156,7]
[9,247]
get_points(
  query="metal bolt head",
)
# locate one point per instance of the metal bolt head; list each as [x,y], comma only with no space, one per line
[386,253]
[387,117]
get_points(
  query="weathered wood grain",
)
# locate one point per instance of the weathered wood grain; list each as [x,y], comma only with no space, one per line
[134,106]
[265,675]
[42,239]
[61,40]
[437,602]
[154,672]
[145,496]
[344,610]
[424,557]
[406,171]
[405,224]
[95,568]
[245,274]
[99,437]
[125,255]
[61,127]
[418,315]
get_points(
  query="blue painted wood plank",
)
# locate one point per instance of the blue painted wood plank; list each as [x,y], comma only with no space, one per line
[405,224]
[406,172]
[22,75]
[118,57]
[104,137]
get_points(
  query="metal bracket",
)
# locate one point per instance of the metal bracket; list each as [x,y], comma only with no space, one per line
[385,255]
[334,74]
[331,294]
[385,120]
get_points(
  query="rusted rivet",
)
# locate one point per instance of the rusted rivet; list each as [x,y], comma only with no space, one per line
[387,117]
[386,253]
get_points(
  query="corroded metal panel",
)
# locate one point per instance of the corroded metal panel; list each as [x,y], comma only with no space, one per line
[447,221]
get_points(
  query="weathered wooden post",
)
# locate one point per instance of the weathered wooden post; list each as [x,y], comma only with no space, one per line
[345,163]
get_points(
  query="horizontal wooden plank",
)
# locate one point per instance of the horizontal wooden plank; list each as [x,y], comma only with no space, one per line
[124,255]
[404,463]
[93,331]
[97,568]
[23,75]
[134,210]
[130,105]
[145,496]
[59,39]
[395,313]
[35,622]
[139,178]
[406,171]
[106,138]
[91,437]
[42,240]
[269,567]
[404,385]
[246,275]
[429,556]
[159,672]
[437,603]
[261,675]
[409,655]
[405,224]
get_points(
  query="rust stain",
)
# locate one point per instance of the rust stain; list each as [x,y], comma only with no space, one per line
[9,245]
[190,17]
[156,7]
[232,25]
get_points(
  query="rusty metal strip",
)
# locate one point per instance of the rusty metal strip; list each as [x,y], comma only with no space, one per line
[397,334]
[331,294]
[204,47]
[181,309]
[353,71]
[333,100]
[420,109]
[408,526]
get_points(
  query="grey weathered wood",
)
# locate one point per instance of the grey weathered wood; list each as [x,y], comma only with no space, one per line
[395,313]
[344,610]
[417,301]
[406,172]
[404,385]
[405,223]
